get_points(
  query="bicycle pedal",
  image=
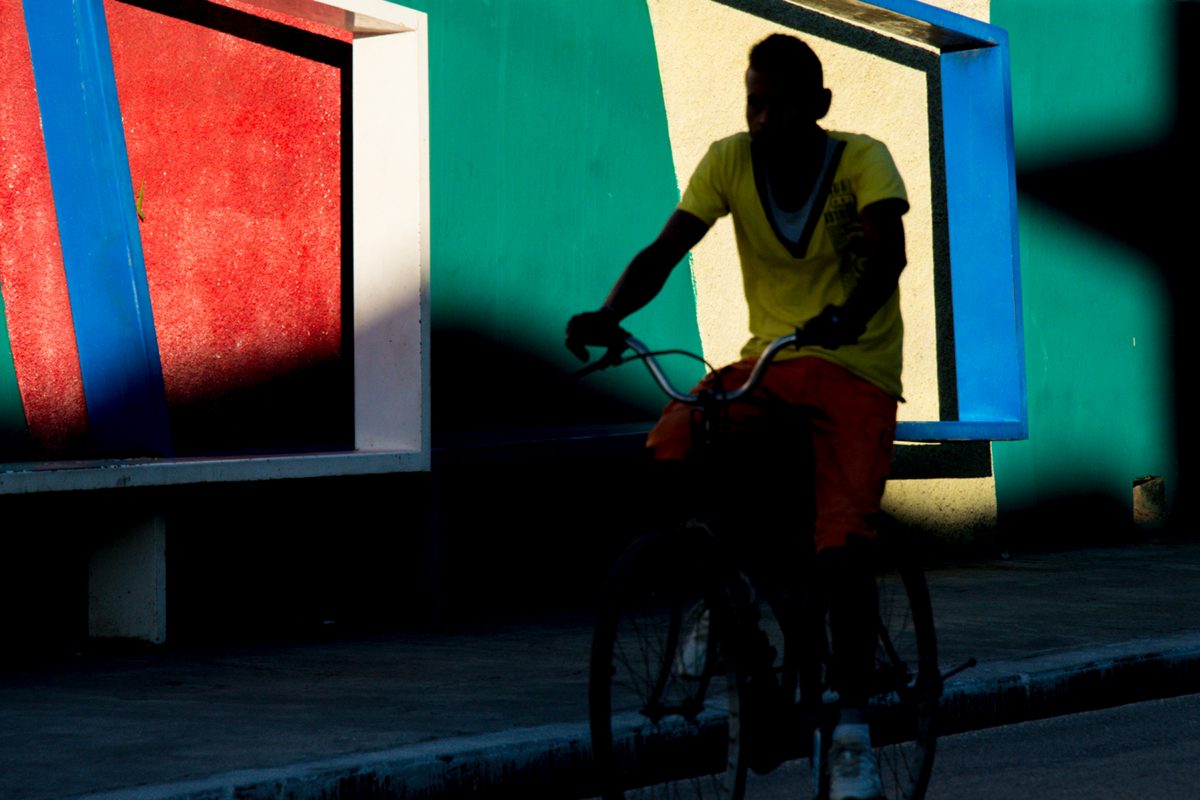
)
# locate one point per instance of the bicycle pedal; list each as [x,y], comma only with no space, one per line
[766,724]
[767,746]
[966,665]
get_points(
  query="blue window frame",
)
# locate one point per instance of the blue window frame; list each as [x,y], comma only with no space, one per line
[981,203]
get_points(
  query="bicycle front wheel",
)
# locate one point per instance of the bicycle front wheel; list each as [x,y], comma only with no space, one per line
[663,696]
[908,683]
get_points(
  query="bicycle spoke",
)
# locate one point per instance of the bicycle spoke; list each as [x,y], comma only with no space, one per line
[663,726]
[906,663]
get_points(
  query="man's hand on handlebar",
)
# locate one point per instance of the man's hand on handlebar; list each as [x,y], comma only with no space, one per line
[833,327]
[595,328]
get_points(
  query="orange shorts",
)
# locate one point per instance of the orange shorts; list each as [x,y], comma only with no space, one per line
[853,425]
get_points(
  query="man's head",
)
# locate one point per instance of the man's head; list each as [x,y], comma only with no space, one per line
[785,89]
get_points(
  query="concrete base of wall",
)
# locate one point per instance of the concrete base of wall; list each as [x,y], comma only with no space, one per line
[219,562]
[127,579]
[254,559]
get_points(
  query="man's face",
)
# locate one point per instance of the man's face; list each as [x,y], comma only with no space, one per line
[777,112]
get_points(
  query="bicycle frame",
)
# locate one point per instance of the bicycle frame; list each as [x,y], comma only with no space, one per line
[780,675]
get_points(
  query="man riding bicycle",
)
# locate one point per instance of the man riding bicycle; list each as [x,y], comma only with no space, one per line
[817,218]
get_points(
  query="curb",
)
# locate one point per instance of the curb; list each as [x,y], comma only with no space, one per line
[1003,693]
[554,760]
[543,761]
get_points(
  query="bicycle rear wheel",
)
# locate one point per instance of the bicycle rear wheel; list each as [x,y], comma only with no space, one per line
[663,699]
[908,683]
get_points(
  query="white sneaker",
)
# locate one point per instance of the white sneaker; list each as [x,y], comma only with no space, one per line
[853,772]
[692,655]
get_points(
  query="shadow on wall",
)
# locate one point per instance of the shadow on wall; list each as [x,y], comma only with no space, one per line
[306,409]
[1066,521]
[250,27]
[530,509]
[282,559]
[504,530]
[484,385]
[1123,197]
[1119,195]
[483,388]
[309,409]
[247,562]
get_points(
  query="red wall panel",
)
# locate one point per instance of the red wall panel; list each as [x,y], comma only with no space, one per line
[234,129]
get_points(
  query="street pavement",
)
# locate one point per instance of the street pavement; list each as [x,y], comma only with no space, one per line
[501,709]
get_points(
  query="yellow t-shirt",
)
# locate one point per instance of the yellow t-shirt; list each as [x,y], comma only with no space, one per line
[784,290]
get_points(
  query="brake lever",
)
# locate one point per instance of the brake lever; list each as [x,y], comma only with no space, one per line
[612,357]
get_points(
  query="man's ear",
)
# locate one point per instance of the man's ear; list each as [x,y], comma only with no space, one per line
[823,101]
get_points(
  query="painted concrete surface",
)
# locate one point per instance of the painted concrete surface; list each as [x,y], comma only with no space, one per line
[240,183]
[957,510]
[391,233]
[479,299]
[550,168]
[127,578]
[1096,91]
[98,231]
[1060,629]
[235,148]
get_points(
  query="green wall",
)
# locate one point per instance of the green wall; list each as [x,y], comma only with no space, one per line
[14,433]
[1093,88]
[550,167]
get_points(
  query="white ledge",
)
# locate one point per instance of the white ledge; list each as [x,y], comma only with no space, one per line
[59,476]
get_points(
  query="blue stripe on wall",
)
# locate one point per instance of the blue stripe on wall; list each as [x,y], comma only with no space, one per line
[101,245]
[981,200]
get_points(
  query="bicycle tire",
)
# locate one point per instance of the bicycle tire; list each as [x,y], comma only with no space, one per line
[903,708]
[659,730]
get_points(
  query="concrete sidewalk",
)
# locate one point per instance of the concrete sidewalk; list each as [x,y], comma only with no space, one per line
[504,707]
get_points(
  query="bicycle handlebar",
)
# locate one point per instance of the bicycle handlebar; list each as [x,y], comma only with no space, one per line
[613,356]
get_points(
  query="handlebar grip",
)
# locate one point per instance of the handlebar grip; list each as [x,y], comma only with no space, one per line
[612,357]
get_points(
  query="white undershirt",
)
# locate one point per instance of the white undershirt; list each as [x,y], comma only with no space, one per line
[792,223]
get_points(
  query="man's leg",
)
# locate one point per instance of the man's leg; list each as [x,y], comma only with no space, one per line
[690,476]
[849,582]
[853,426]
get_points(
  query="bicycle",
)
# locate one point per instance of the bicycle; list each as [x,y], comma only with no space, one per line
[675,713]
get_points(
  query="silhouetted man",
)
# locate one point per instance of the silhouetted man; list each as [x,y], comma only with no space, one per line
[817,217]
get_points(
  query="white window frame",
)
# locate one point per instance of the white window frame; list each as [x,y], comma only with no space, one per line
[390,106]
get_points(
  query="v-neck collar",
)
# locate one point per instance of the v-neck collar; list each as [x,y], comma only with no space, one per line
[810,212]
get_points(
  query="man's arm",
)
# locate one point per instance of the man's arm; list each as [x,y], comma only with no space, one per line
[883,234]
[641,281]
[884,260]
[646,274]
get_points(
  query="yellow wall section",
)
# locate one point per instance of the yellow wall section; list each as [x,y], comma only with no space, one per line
[702,49]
